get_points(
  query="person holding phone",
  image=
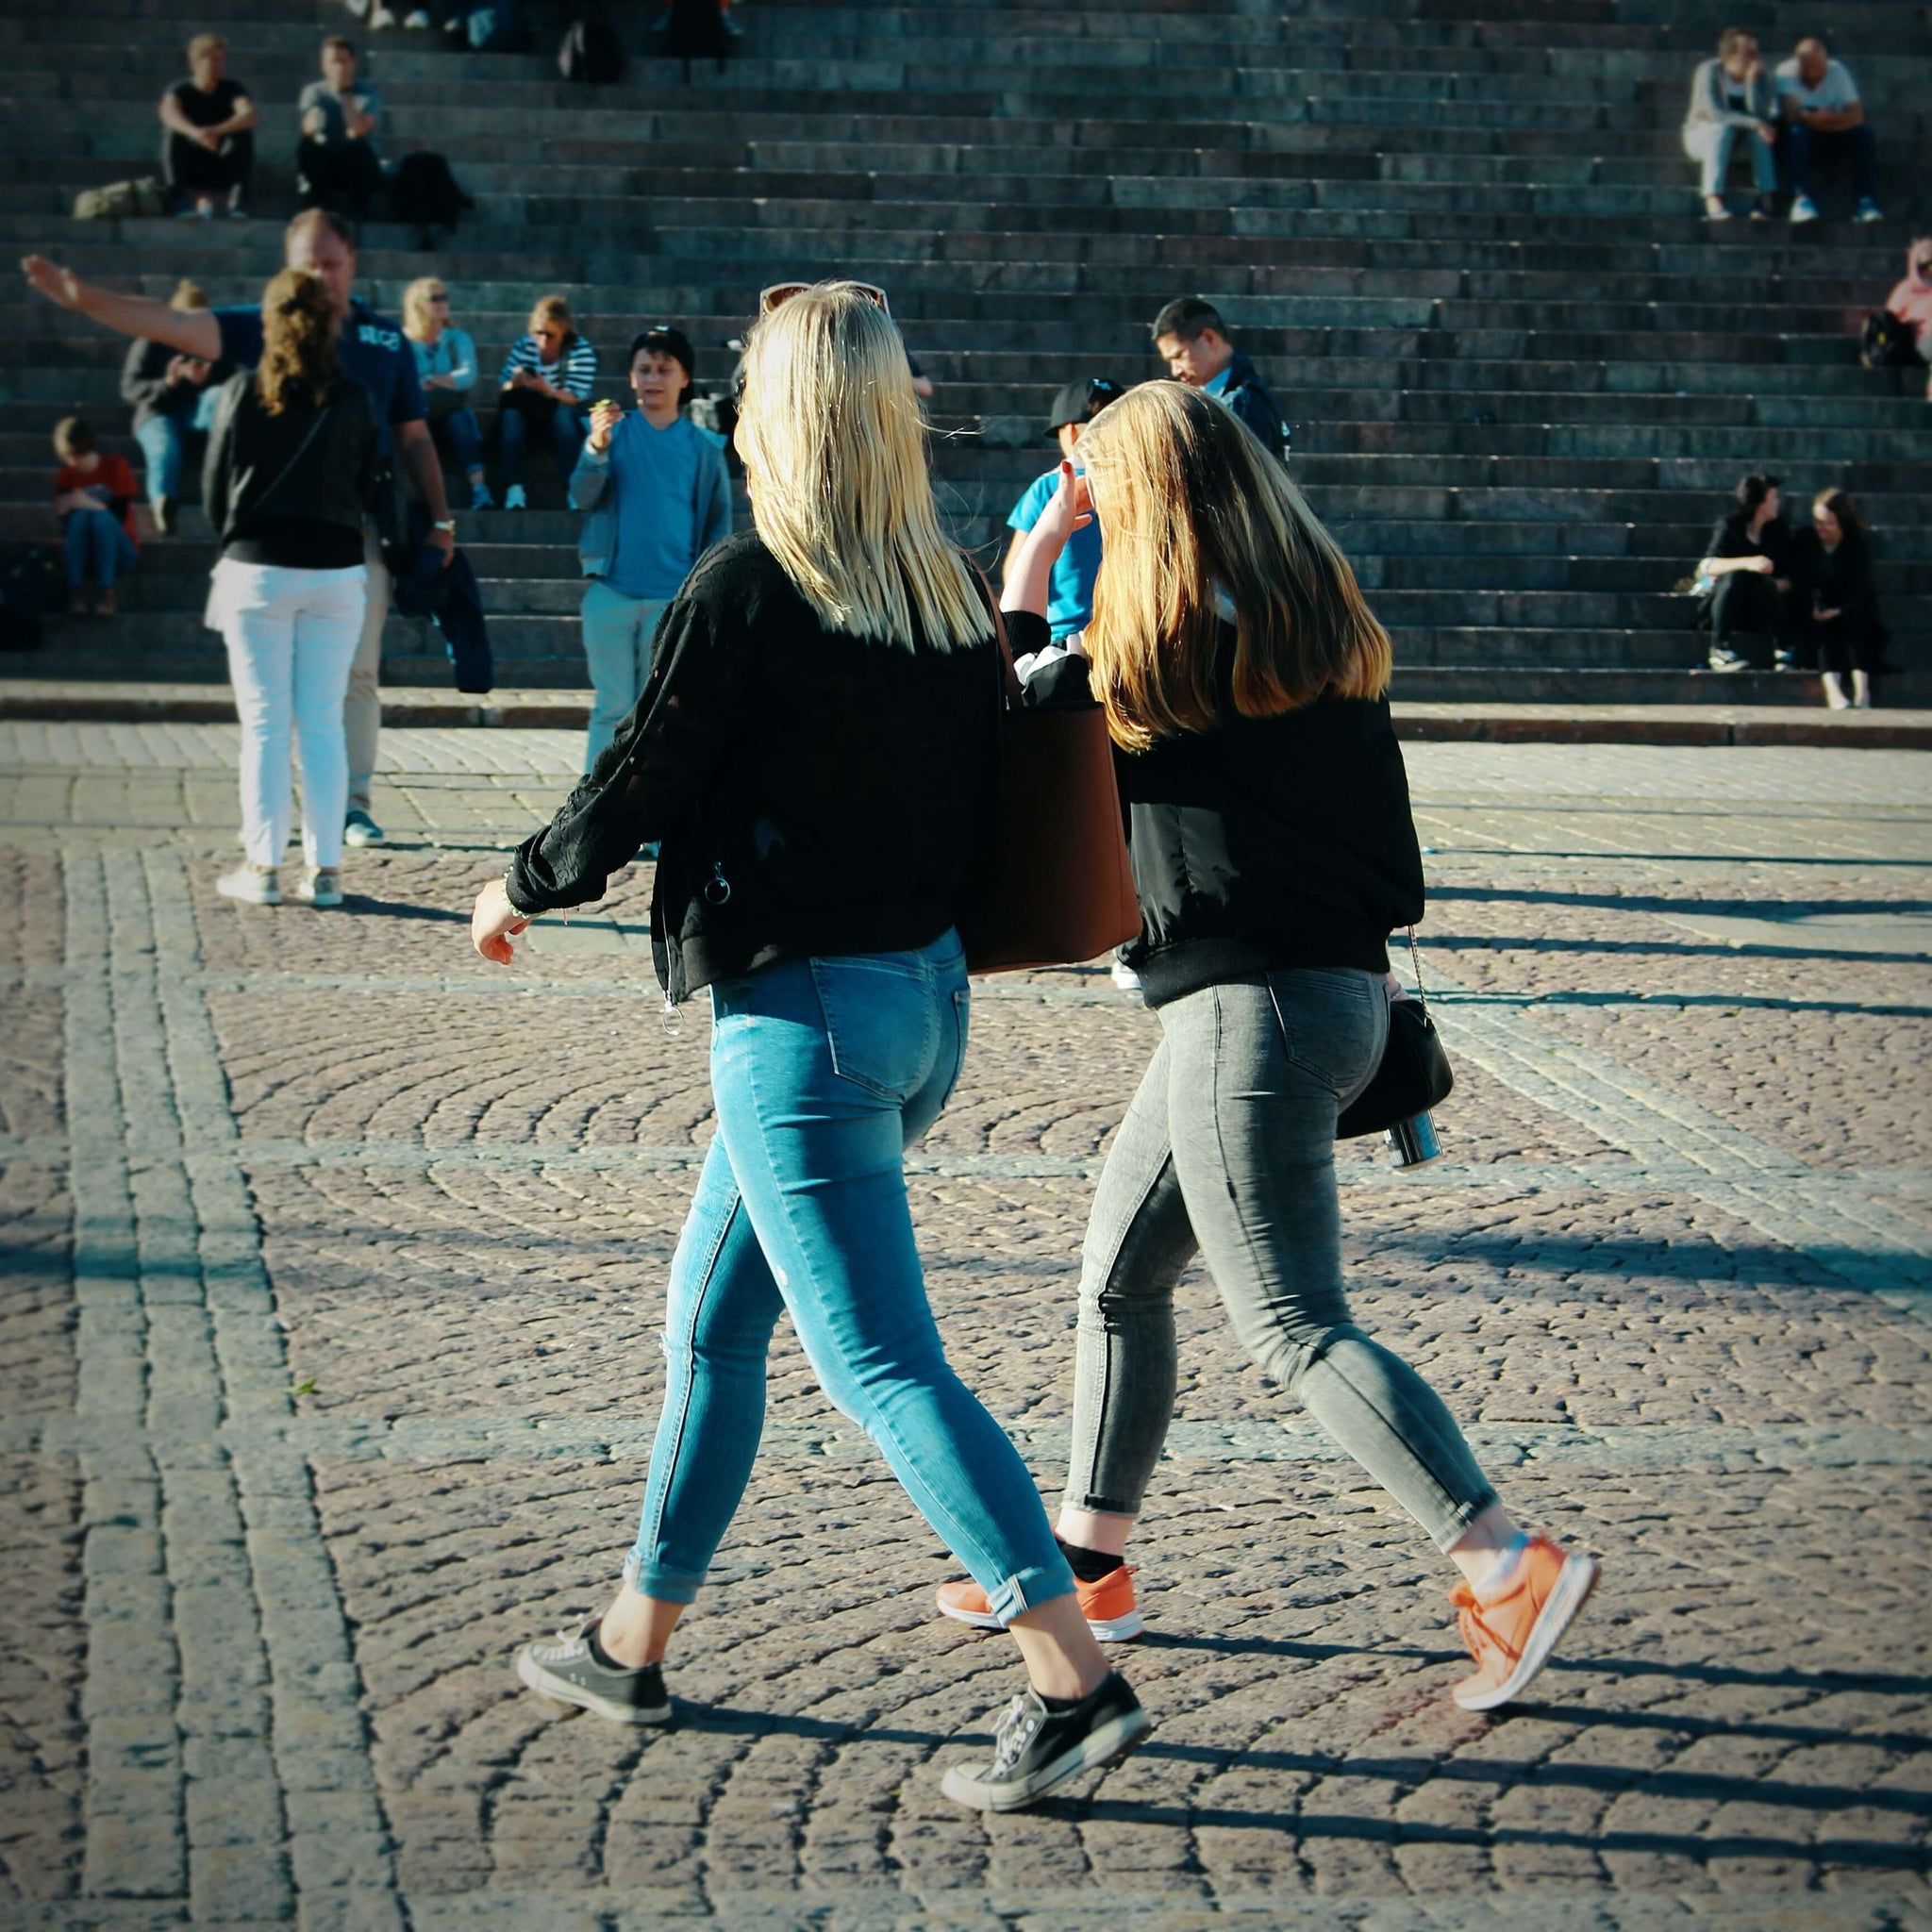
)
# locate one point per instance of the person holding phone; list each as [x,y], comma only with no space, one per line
[1245,685]
[544,386]
[659,497]
[815,677]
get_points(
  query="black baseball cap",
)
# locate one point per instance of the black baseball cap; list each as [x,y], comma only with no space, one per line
[674,341]
[1082,400]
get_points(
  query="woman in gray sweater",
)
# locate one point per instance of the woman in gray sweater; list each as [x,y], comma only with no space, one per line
[1731,100]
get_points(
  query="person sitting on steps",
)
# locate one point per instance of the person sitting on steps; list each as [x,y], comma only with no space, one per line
[338,165]
[1731,101]
[446,365]
[1824,120]
[1747,566]
[173,397]
[93,495]
[208,150]
[547,383]
[1838,599]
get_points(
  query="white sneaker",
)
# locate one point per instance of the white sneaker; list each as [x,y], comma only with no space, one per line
[358,828]
[419,22]
[513,498]
[1804,208]
[1871,212]
[255,885]
[359,7]
[322,888]
[381,17]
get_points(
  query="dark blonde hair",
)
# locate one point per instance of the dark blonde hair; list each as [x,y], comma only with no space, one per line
[1851,518]
[1197,516]
[298,354]
[74,436]
[553,309]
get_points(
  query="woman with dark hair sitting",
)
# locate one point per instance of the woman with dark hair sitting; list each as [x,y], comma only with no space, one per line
[290,475]
[1837,599]
[1748,565]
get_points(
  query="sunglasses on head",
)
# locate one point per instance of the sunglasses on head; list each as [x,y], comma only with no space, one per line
[781,292]
[439,295]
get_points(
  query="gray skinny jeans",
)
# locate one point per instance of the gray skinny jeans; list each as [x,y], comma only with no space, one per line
[1228,1149]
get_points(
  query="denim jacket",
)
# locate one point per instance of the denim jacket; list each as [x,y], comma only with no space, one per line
[710,510]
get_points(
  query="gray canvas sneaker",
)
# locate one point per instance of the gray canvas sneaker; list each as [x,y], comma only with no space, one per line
[1035,1749]
[564,1669]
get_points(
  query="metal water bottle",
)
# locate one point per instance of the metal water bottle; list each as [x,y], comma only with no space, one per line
[1413,1142]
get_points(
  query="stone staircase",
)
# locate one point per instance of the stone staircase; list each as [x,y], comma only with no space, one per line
[1458,236]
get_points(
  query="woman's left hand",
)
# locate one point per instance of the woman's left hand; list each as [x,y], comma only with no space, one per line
[494,920]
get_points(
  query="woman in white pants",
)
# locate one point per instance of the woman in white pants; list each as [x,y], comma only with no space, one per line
[290,467]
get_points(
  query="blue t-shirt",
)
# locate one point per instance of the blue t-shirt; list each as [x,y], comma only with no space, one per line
[373,349]
[1069,589]
[653,483]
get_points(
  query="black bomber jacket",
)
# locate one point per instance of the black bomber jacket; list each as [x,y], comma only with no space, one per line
[813,794]
[1260,844]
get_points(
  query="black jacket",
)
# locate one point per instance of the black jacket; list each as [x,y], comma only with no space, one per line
[261,466]
[813,794]
[1839,581]
[144,382]
[1264,843]
[1250,399]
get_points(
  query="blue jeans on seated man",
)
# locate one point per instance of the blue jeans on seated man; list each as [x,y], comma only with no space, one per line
[163,441]
[519,411]
[1859,145]
[618,632]
[823,1071]
[94,538]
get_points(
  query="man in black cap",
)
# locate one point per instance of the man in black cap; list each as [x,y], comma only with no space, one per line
[658,498]
[1069,598]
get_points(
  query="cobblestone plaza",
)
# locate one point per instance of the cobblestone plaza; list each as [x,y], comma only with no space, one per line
[335,1262]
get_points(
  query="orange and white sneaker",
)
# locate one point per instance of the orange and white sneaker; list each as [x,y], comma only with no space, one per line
[1511,1636]
[1113,1614]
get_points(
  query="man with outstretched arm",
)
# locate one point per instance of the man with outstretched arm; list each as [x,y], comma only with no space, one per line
[375,353]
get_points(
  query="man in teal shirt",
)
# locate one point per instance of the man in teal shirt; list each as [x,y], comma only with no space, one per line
[659,496]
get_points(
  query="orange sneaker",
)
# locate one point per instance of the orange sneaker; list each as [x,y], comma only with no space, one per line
[1512,1636]
[1111,1613]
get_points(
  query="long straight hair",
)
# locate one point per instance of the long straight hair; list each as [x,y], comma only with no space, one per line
[1196,517]
[298,351]
[840,492]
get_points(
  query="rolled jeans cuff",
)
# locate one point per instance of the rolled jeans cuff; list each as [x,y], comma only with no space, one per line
[661,1586]
[1026,1590]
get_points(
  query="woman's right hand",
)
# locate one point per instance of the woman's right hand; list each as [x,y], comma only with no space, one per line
[491,922]
[1069,508]
[1762,565]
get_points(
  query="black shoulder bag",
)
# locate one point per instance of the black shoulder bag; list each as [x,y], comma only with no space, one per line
[1414,1074]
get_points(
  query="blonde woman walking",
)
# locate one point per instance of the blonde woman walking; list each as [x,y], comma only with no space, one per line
[1244,680]
[813,675]
[290,470]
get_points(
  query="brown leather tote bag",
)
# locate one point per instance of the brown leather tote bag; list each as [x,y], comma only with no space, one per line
[1057,889]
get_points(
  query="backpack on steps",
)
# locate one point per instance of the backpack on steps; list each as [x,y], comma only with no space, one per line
[1887,342]
[592,53]
[120,199]
[425,193]
[32,589]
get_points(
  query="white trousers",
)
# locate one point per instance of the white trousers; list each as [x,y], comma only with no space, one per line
[292,636]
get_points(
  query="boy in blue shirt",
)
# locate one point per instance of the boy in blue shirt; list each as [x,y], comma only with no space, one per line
[659,496]
[1069,589]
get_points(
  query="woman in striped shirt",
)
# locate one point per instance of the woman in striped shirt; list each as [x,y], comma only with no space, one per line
[547,378]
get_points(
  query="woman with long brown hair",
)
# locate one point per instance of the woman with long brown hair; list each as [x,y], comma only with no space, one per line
[290,472]
[1244,682]
[1835,597]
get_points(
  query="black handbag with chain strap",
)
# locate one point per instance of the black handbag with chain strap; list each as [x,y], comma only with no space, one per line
[1414,1074]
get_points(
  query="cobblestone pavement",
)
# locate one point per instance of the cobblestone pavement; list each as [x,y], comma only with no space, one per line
[329,1361]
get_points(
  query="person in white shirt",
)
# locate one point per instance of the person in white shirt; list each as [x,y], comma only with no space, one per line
[1824,120]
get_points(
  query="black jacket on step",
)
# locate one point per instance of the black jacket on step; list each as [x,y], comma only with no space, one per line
[1260,844]
[814,793]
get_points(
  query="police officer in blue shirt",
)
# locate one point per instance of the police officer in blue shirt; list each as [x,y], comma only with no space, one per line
[373,350]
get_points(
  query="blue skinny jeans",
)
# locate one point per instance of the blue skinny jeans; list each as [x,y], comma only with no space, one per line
[514,422]
[823,1072]
[94,538]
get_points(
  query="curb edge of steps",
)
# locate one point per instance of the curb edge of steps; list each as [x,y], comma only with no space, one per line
[1498,723]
